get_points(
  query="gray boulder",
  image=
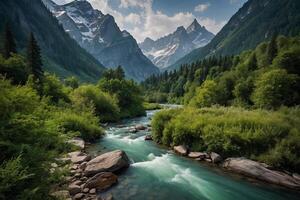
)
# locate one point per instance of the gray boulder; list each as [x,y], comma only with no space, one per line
[259,171]
[182,150]
[108,162]
[215,158]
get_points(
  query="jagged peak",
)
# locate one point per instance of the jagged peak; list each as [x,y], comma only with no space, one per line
[147,39]
[194,26]
[180,28]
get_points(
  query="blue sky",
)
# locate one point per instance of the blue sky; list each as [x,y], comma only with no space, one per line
[156,18]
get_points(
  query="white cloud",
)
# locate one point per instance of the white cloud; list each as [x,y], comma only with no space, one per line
[202,7]
[211,24]
[150,23]
[132,18]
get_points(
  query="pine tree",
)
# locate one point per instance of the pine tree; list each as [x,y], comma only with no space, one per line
[34,58]
[120,74]
[252,65]
[9,42]
[272,49]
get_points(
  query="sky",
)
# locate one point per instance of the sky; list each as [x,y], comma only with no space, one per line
[157,18]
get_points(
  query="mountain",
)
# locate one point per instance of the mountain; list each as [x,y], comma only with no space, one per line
[255,22]
[168,49]
[100,35]
[61,54]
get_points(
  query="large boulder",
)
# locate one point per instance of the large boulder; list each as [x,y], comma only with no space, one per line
[140,127]
[199,155]
[101,181]
[148,137]
[182,150]
[109,162]
[259,171]
[74,189]
[78,157]
[77,142]
[215,158]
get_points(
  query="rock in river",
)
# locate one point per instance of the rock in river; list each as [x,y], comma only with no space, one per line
[182,150]
[77,142]
[215,158]
[259,171]
[199,155]
[148,137]
[101,181]
[108,162]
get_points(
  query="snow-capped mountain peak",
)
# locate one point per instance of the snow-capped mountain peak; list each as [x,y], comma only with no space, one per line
[100,35]
[168,49]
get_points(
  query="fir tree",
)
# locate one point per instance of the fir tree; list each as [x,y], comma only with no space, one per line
[9,42]
[272,49]
[34,58]
[252,65]
[119,72]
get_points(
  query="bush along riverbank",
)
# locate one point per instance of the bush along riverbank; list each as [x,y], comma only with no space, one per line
[257,143]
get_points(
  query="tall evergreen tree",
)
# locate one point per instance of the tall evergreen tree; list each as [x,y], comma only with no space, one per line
[120,74]
[9,42]
[272,49]
[252,65]
[34,58]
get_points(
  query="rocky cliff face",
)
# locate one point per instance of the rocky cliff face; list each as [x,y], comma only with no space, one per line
[167,50]
[100,35]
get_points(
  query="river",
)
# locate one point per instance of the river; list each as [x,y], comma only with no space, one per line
[158,174]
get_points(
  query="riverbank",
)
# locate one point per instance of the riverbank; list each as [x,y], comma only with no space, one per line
[246,167]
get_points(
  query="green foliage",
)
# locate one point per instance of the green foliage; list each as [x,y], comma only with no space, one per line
[269,136]
[206,95]
[151,106]
[54,89]
[127,93]
[34,58]
[105,105]
[14,68]
[78,123]
[12,175]
[275,88]
[72,82]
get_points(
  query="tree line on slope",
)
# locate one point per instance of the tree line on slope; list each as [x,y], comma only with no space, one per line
[265,77]
[39,113]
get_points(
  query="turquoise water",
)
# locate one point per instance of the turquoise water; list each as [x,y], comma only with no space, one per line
[158,174]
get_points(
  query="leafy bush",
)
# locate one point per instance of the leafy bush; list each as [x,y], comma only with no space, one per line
[83,124]
[105,105]
[128,96]
[276,88]
[206,95]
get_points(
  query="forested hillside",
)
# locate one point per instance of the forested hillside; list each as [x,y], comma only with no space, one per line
[61,54]
[255,22]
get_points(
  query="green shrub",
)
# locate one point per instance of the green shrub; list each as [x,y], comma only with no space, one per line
[83,123]
[276,88]
[206,95]
[105,105]
[256,134]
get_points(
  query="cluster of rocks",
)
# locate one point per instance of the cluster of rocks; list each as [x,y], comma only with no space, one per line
[250,168]
[89,177]
[139,127]
[211,157]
